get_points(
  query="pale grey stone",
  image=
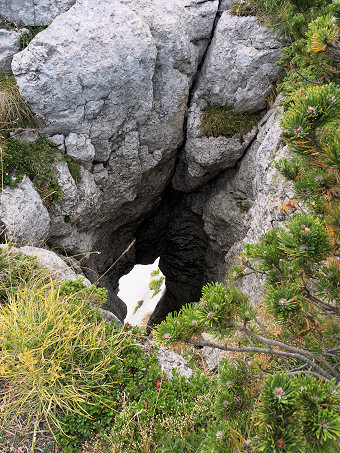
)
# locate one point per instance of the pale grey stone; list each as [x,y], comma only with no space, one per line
[59,141]
[225,5]
[33,12]
[170,361]
[239,67]
[9,46]
[240,64]
[109,316]
[24,218]
[79,147]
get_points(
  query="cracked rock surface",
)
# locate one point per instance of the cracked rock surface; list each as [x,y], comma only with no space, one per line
[120,86]
[238,70]
[33,12]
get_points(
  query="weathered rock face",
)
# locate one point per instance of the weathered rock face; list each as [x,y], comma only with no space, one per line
[237,72]
[243,203]
[9,45]
[204,157]
[116,87]
[33,12]
[111,82]
[240,64]
[23,217]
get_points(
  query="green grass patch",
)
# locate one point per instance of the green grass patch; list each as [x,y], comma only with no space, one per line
[74,168]
[56,353]
[226,121]
[37,161]
[155,272]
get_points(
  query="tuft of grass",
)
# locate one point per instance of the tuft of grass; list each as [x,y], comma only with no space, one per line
[222,120]
[265,10]
[56,354]
[15,271]
[14,111]
[27,37]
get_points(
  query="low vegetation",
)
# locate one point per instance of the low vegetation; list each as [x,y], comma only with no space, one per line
[31,33]
[226,121]
[34,159]
[156,282]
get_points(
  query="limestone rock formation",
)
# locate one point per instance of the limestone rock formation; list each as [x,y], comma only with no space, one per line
[9,45]
[120,86]
[114,90]
[237,72]
[23,217]
[33,12]
[240,64]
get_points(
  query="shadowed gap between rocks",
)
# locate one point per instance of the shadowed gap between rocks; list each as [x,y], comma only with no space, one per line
[176,234]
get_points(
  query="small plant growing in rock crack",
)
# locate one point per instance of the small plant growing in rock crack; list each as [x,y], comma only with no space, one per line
[225,121]
[31,33]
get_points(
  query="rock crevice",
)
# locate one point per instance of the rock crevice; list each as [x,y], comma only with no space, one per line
[120,86]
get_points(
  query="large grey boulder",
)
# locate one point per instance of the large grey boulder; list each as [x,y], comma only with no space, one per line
[9,45]
[238,71]
[24,218]
[111,79]
[240,64]
[33,12]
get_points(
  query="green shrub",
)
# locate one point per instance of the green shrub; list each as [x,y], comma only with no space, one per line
[155,272]
[171,415]
[298,412]
[226,121]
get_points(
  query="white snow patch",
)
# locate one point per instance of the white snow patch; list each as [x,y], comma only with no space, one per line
[134,287]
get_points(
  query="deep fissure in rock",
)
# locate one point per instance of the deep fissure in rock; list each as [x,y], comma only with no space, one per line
[175,233]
